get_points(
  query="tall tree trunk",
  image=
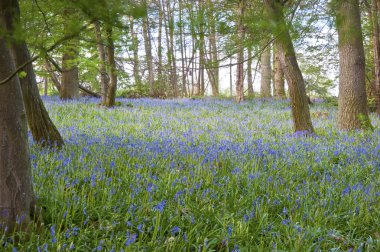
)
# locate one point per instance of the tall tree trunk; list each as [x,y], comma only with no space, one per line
[159,50]
[102,63]
[112,86]
[183,49]
[173,66]
[231,77]
[201,78]
[166,15]
[42,127]
[46,87]
[16,191]
[148,53]
[249,72]
[266,71]
[195,85]
[353,111]
[296,83]
[70,71]
[214,71]
[279,80]
[376,52]
[240,53]
[135,46]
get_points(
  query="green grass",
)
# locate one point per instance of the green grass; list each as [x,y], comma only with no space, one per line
[204,175]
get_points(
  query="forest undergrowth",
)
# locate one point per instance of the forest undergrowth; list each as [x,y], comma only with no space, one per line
[204,175]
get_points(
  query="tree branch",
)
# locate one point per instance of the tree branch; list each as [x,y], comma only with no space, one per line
[51,48]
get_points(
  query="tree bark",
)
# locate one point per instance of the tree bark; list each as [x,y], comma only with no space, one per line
[70,72]
[148,53]
[43,130]
[112,86]
[169,33]
[231,77]
[16,191]
[352,102]
[376,52]
[183,50]
[293,75]
[52,75]
[278,76]
[266,71]
[159,51]
[104,79]
[201,73]
[249,72]
[240,53]
[214,71]
[46,87]
[135,46]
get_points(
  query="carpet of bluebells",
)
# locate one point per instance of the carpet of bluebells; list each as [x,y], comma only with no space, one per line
[204,175]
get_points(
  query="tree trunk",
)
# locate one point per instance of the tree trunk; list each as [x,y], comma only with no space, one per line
[52,75]
[279,81]
[159,50]
[266,71]
[102,62]
[173,67]
[70,71]
[183,49]
[16,191]
[46,86]
[249,72]
[112,86]
[166,14]
[376,52]
[135,46]
[298,99]
[43,129]
[240,53]
[148,53]
[201,78]
[353,111]
[214,71]
[231,77]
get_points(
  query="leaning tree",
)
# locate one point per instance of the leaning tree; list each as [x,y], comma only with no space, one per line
[293,75]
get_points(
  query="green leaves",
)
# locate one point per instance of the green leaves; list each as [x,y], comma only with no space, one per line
[22,74]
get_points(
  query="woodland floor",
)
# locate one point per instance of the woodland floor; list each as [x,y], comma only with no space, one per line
[204,175]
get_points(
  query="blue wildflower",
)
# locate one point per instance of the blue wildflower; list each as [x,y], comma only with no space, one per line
[130,239]
[160,206]
[175,230]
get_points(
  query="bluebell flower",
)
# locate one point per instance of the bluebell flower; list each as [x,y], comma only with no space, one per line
[346,190]
[175,230]
[140,228]
[130,239]
[160,206]
[229,230]
[285,222]
[235,249]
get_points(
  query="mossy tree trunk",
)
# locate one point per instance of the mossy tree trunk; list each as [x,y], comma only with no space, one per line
[353,111]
